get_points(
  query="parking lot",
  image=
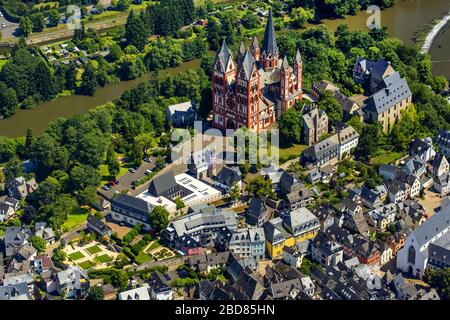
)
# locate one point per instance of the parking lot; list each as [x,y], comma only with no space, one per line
[127,179]
[10,28]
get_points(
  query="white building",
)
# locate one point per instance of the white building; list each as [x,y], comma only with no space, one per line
[348,140]
[141,293]
[248,243]
[413,257]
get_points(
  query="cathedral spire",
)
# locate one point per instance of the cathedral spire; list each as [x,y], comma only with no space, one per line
[224,55]
[298,57]
[285,64]
[242,49]
[270,46]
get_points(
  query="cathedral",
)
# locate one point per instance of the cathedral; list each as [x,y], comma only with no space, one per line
[258,87]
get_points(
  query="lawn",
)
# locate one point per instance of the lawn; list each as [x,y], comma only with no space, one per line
[153,246]
[74,220]
[86,264]
[104,258]
[76,255]
[94,249]
[106,177]
[143,257]
[385,157]
[286,154]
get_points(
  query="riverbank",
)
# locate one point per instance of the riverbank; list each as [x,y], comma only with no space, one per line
[425,48]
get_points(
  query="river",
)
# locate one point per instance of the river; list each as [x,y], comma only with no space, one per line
[402,20]
[40,116]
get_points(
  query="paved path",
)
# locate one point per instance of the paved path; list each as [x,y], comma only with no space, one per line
[9,31]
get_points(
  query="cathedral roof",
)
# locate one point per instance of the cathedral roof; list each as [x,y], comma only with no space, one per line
[285,64]
[224,55]
[270,42]
[247,64]
[298,57]
[242,48]
[255,43]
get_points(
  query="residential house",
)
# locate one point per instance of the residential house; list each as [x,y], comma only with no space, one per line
[19,188]
[15,237]
[98,226]
[325,250]
[257,213]
[6,211]
[248,243]
[370,198]
[227,177]
[415,166]
[422,148]
[17,291]
[45,232]
[291,228]
[131,210]
[383,216]
[386,252]
[442,184]
[293,256]
[388,171]
[42,263]
[182,114]
[396,242]
[414,256]
[203,224]
[159,287]
[140,293]
[371,73]
[442,141]
[315,125]
[72,282]
[440,165]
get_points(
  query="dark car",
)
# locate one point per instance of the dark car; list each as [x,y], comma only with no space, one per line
[106,187]
[132,170]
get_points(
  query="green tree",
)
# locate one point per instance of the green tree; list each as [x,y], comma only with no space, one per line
[290,126]
[88,195]
[179,202]
[96,293]
[299,16]
[38,21]
[53,17]
[331,107]
[159,218]
[38,243]
[235,193]
[112,162]
[439,279]
[135,31]
[83,176]
[260,187]
[26,26]
[89,81]
[250,20]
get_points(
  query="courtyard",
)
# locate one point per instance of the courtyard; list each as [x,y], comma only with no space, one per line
[91,255]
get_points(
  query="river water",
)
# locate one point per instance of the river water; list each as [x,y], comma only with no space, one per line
[402,21]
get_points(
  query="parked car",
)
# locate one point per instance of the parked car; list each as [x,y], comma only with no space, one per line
[147,159]
[114,182]
[132,170]
[147,172]
[106,187]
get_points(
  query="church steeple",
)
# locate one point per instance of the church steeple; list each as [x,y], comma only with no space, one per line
[270,53]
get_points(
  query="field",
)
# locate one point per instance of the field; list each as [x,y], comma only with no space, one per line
[143,257]
[286,154]
[104,258]
[73,221]
[385,157]
[76,255]
[94,249]
[86,264]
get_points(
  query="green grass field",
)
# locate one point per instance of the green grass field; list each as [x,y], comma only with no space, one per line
[153,246]
[73,221]
[86,264]
[143,257]
[94,249]
[385,157]
[76,256]
[104,258]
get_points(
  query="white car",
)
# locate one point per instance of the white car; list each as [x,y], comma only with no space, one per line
[148,171]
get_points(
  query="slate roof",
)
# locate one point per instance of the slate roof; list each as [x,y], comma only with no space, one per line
[256,207]
[228,176]
[432,226]
[14,292]
[132,202]
[98,224]
[162,184]
[438,160]
[224,55]
[388,97]
[247,65]
[270,42]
